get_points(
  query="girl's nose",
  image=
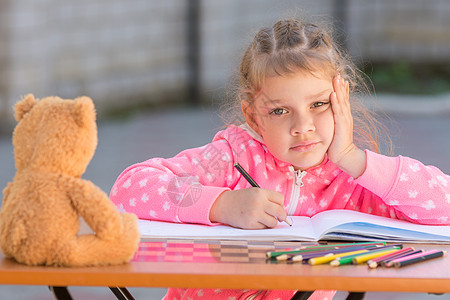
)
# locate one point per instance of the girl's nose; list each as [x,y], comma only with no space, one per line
[302,124]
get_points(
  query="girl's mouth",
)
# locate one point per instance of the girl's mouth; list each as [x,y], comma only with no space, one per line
[304,147]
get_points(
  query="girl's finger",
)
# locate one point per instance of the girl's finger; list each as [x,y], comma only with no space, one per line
[268,221]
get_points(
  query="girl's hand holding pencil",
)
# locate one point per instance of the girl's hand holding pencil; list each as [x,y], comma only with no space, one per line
[252,208]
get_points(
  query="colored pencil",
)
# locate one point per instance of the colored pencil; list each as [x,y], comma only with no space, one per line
[374,254]
[388,263]
[345,260]
[308,255]
[326,259]
[309,249]
[375,262]
[254,184]
[420,257]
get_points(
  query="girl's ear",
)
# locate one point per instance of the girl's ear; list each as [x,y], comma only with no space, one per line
[248,109]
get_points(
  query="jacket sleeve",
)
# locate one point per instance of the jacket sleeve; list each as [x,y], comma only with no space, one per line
[179,189]
[407,188]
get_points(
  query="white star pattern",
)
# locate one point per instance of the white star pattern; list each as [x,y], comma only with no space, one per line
[404,177]
[207,155]
[428,205]
[166,206]
[114,191]
[152,214]
[143,182]
[127,184]
[226,157]
[311,211]
[413,216]
[432,183]
[319,171]
[144,197]
[257,159]
[350,179]
[346,197]
[323,203]
[303,198]
[382,207]
[442,180]
[392,214]
[200,293]
[163,177]
[265,175]
[210,177]
[162,190]
[195,161]
[242,146]
[133,202]
[120,208]
[414,167]
[278,188]
[393,202]
[310,180]
[369,210]
[443,219]
[412,194]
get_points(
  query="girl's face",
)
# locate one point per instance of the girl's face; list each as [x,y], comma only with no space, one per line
[294,117]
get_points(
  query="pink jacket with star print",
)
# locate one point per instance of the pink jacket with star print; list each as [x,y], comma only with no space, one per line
[183,189]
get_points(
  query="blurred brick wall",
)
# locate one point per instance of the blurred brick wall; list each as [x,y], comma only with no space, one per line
[411,30]
[119,52]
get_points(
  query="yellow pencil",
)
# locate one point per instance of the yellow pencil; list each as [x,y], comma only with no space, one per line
[368,256]
[327,259]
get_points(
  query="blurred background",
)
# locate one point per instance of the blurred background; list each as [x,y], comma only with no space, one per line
[158,71]
[140,53]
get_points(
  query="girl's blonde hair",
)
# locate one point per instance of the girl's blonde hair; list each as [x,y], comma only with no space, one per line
[291,45]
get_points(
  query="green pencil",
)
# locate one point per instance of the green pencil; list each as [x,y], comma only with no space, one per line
[345,260]
[306,249]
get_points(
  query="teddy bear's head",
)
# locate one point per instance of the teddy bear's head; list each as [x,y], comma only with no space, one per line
[55,135]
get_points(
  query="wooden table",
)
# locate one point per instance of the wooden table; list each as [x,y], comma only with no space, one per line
[430,277]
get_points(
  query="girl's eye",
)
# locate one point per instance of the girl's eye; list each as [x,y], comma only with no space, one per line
[319,104]
[278,111]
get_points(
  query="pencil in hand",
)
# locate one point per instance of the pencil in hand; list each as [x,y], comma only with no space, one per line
[253,183]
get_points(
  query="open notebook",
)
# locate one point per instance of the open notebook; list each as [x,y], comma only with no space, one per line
[327,225]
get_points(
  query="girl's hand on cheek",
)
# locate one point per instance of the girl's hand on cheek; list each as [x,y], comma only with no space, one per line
[342,151]
[252,208]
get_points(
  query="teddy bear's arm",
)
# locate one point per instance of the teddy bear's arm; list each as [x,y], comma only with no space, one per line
[96,209]
[6,191]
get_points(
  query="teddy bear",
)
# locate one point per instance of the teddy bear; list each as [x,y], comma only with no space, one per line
[54,141]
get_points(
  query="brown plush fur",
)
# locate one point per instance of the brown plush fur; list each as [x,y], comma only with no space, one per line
[54,141]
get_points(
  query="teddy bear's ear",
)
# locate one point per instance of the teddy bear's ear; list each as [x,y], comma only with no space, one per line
[24,106]
[84,111]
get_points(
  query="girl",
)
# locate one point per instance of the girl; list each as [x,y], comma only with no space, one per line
[297,143]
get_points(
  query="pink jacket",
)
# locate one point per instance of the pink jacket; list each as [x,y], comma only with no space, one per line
[183,188]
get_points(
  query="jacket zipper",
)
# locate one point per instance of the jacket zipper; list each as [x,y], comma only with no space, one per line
[297,183]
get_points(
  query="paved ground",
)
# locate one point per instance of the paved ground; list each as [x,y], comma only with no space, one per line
[421,133]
